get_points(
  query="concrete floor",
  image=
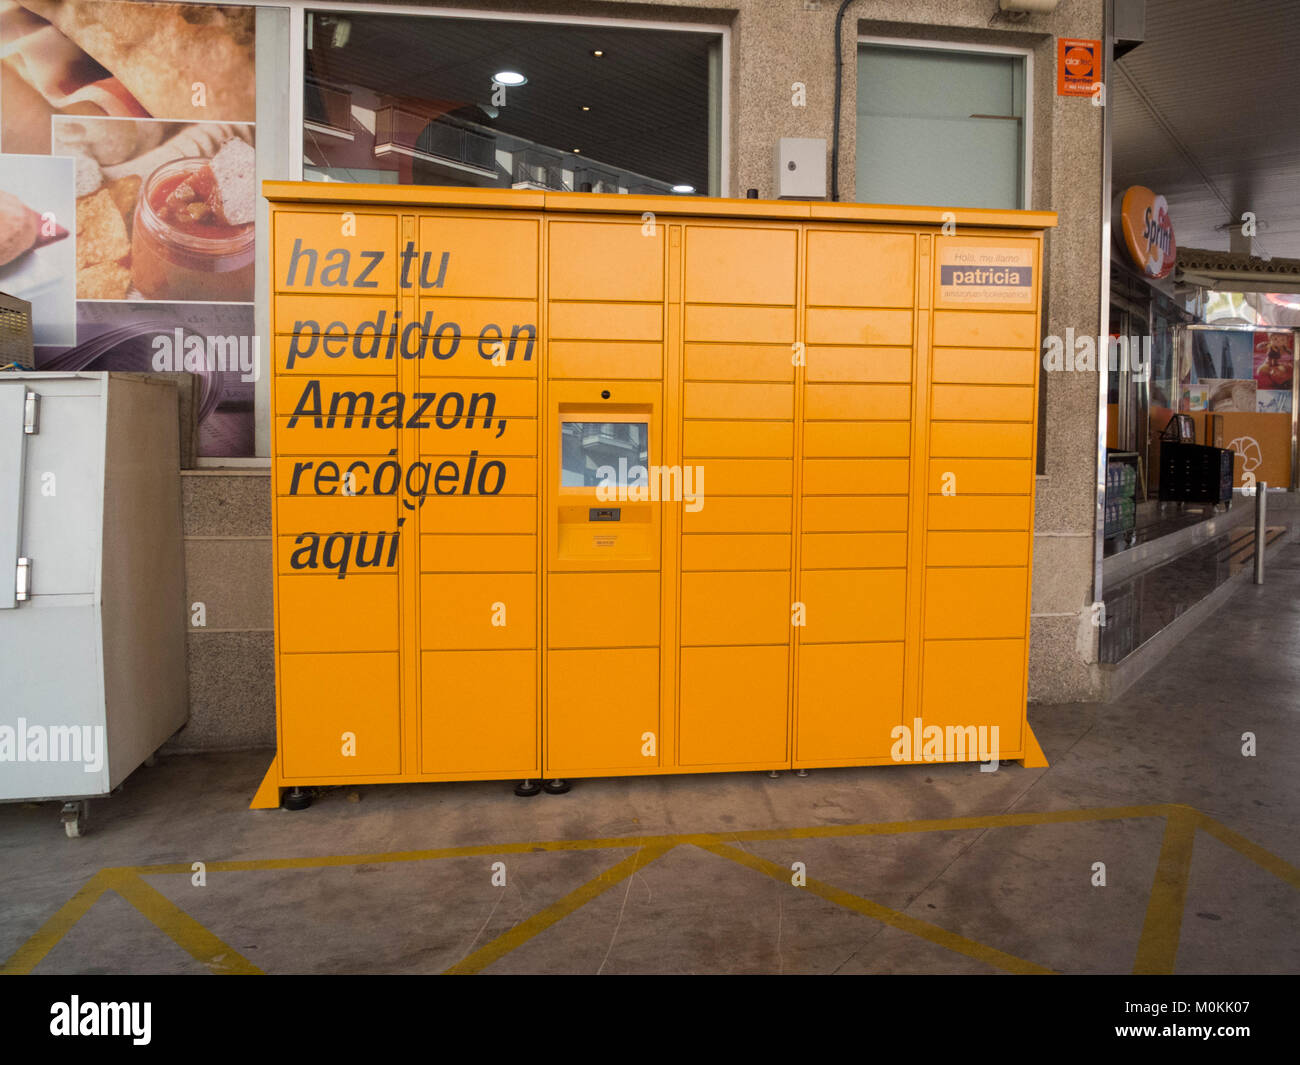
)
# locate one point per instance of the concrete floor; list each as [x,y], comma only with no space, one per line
[692,874]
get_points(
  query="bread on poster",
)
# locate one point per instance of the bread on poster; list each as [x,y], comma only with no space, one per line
[197,140]
[106,140]
[157,52]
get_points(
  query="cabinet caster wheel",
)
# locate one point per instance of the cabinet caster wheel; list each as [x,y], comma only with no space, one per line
[74,816]
[296,799]
[526,789]
[556,787]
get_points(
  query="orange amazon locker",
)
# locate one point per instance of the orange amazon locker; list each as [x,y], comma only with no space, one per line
[575,485]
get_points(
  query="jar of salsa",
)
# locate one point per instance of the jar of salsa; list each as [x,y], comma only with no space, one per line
[181,247]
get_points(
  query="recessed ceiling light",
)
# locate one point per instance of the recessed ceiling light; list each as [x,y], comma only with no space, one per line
[509,77]
[684,188]
[577,151]
[598,53]
[585,108]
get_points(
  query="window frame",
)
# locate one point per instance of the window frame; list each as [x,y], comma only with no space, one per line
[297,61]
[1025,54]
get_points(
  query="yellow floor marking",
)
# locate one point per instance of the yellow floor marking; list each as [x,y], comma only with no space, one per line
[184,930]
[933,933]
[33,952]
[1280,868]
[1158,948]
[557,911]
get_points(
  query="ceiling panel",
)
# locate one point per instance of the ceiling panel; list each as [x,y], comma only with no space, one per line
[1205,112]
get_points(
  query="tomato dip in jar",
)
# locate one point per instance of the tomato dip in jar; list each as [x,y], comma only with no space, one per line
[181,246]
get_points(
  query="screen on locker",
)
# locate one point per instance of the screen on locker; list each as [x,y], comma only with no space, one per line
[605,490]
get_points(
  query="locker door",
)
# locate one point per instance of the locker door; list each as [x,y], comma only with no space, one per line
[63,490]
[51,668]
[12,448]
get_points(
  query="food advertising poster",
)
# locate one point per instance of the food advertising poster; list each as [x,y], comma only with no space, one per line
[1274,361]
[128,194]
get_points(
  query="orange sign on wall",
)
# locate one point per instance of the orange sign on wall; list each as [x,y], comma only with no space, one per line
[1078,66]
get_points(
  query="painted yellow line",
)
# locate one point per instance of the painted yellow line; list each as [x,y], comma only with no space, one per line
[1155,949]
[1280,868]
[31,953]
[1158,948]
[884,828]
[557,911]
[184,930]
[933,933]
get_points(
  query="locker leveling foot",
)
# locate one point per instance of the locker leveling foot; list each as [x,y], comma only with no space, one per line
[296,799]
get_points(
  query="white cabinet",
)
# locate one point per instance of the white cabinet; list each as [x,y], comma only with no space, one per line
[92,581]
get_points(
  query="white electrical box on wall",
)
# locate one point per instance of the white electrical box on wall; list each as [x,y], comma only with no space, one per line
[801,168]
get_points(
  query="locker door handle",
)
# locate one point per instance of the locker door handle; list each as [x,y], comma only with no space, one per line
[32,413]
[23,580]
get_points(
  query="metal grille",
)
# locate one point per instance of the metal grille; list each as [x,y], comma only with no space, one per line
[16,332]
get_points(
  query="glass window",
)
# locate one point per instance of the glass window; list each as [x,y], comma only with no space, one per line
[941,127]
[415,100]
[613,454]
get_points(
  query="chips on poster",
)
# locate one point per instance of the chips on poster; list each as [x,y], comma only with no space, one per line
[165,210]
